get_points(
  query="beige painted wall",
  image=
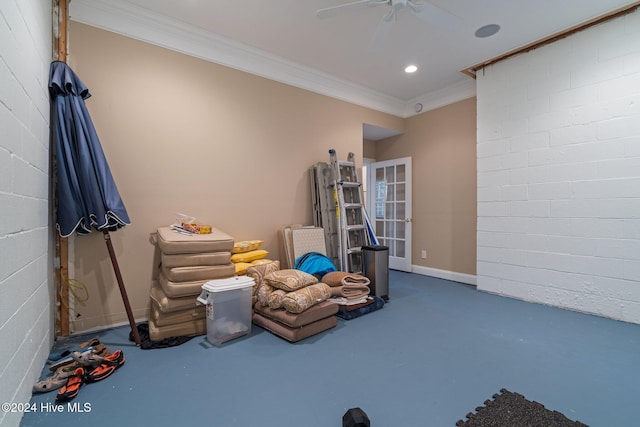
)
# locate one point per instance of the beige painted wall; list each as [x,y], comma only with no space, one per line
[442,145]
[369,148]
[186,135]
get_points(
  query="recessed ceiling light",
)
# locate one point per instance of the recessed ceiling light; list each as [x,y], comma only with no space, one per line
[487,30]
[410,69]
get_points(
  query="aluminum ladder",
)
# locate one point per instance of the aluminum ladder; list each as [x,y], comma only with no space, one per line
[354,228]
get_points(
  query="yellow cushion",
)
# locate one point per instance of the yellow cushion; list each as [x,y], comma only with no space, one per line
[241,268]
[246,246]
[249,256]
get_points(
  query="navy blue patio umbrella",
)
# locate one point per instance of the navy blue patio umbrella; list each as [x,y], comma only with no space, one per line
[87,198]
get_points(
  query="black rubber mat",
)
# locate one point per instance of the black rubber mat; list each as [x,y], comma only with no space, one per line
[146,343]
[508,409]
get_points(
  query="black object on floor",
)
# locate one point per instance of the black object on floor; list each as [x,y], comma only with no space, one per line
[146,343]
[345,314]
[355,417]
[508,409]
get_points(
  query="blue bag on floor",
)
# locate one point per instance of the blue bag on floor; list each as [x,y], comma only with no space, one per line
[315,264]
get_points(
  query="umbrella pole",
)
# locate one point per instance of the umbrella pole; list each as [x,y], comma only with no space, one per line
[123,291]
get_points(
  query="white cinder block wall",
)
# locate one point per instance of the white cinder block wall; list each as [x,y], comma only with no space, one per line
[559,173]
[27,293]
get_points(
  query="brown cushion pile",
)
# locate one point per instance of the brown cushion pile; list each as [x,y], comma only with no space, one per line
[183,263]
[293,304]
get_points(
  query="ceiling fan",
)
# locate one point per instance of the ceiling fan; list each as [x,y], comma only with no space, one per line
[419,8]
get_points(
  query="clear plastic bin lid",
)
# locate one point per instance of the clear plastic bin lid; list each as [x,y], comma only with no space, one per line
[229,284]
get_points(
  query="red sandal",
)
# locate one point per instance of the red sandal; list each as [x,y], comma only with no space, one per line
[107,367]
[72,387]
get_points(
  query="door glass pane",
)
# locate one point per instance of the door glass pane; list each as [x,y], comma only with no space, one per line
[381,190]
[392,248]
[400,248]
[400,229]
[390,229]
[379,210]
[400,211]
[390,193]
[391,176]
[388,212]
[379,228]
[379,174]
[400,173]
[400,192]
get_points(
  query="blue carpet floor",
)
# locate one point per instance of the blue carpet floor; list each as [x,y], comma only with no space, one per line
[434,353]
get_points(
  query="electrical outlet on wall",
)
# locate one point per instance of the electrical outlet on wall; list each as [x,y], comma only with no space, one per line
[423,254]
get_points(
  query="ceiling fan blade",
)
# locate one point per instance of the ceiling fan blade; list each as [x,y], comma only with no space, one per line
[432,14]
[348,7]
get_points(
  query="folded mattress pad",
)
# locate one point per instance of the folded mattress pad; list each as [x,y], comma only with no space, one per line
[197,259]
[174,289]
[199,272]
[169,305]
[184,329]
[171,242]
[294,334]
[171,318]
[317,312]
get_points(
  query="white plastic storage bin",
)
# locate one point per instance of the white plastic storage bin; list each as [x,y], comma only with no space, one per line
[228,304]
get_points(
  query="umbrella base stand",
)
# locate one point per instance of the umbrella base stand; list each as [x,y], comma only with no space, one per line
[123,291]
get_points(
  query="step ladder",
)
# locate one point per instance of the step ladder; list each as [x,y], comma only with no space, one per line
[354,230]
[338,207]
[338,204]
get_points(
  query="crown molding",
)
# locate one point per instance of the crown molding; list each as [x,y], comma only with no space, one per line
[141,24]
[459,91]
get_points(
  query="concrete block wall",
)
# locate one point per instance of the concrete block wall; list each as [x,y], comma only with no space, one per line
[26,285]
[559,173]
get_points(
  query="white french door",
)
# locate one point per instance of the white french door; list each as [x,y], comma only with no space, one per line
[389,201]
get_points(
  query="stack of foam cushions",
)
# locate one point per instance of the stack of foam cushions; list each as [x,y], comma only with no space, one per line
[248,253]
[291,303]
[186,263]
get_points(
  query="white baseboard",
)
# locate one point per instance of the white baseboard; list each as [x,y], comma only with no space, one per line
[469,279]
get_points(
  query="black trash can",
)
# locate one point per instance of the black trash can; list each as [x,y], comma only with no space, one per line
[376,269]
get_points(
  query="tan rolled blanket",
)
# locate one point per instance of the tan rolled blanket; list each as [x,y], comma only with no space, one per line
[276,298]
[350,291]
[341,278]
[258,272]
[355,279]
[264,290]
[270,296]
[290,280]
[298,301]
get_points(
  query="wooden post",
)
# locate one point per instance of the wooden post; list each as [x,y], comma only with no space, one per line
[60,20]
[123,291]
